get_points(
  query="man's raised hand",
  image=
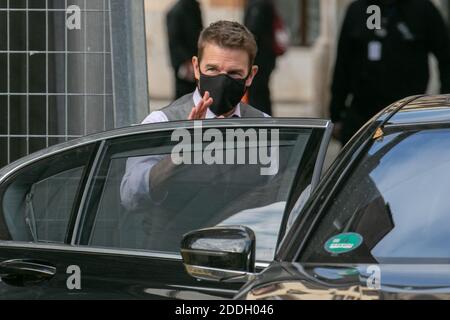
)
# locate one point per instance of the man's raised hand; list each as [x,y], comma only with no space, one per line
[199,111]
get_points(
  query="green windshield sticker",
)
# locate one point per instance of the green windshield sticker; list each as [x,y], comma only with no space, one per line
[343,243]
[349,272]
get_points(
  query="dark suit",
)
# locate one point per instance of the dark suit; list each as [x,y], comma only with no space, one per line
[184,25]
[259,19]
[376,68]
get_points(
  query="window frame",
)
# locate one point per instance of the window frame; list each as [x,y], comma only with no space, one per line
[301,36]
[7,180]
[101,139]
[338,176]
[81,236]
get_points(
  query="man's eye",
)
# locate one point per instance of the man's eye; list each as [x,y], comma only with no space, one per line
[236,75]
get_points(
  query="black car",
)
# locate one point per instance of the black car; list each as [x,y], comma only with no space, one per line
[78,220]
[376,227]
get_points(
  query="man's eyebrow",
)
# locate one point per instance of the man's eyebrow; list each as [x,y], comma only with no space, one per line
[210,65]
[237,70]
[234,70]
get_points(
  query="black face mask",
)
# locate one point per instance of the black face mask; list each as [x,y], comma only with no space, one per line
[225,91]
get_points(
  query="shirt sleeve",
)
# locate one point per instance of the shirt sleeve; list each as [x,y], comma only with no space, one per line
[135,185]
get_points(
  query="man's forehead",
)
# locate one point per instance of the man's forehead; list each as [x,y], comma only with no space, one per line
[225,57]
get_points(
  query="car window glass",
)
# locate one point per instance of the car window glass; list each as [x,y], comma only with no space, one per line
[36,203]
[393,207]
[130,215]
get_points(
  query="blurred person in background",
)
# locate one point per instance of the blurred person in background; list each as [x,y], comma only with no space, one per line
[375,68]
[262,19]
[184,24]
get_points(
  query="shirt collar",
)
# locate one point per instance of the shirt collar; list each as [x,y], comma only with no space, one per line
[209,114]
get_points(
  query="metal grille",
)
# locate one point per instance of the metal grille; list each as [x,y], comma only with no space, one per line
[56,84]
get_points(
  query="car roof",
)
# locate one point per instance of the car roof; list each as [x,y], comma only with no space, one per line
[421,109]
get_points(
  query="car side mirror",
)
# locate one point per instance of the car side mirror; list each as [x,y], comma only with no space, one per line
[223,254]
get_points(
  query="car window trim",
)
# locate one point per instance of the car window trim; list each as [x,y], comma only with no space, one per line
[87,249]
[80,191]
[11,175]
[10,169]
[307,123]
[85,192]
[321,156]
[317,173]
[297,123]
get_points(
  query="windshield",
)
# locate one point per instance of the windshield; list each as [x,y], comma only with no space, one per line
[394,206]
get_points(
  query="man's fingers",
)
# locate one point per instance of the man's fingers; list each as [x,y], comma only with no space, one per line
[195,111]
[205,99]
[203,106]
[192,114]
[208,103]
[199,111]
[206,96]
[200,104]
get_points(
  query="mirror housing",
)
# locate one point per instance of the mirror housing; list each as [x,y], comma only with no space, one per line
[224,254]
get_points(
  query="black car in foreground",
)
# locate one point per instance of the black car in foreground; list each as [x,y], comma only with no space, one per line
[80,221]
[376,227]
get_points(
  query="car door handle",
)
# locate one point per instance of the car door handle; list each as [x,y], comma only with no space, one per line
[24,272]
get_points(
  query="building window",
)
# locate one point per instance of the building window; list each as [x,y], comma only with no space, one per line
[302,18]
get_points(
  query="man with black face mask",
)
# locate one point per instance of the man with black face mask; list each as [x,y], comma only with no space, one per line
[375,68]
[224,71]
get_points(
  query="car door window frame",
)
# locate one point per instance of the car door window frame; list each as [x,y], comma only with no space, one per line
[75,224]
[8,179]
[86,213]
[295,192]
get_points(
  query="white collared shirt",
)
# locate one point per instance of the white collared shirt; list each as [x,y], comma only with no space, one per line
[159,116]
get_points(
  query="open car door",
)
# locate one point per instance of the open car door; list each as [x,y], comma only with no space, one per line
[150,185]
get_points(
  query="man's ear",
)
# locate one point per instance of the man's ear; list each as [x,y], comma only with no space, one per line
[252,75]
[196,65]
